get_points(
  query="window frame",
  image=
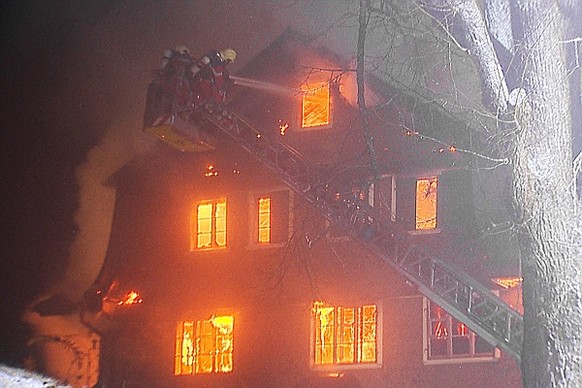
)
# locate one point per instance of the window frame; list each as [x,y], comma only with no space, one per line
[195,221]
[436,229]
[461,359]
[333,367]
[254,198]
[214,353]
[301,108]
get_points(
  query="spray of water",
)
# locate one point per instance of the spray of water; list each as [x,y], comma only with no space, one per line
[267,86]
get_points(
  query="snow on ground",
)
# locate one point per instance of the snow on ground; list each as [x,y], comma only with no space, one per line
[19,378]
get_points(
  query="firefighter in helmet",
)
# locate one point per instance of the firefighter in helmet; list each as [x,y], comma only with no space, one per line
[211,78]
[175,71]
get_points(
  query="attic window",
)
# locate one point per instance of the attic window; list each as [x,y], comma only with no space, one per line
[426,203]
[448,340]
[344,336]
[209,225]
[204,346]
[316,106]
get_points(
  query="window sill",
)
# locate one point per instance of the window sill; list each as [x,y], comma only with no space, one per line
[463,360]
[252,247]
[424,232]
[344,367]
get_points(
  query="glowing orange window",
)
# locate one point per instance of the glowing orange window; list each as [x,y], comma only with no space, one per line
[344,335]
[316,106]
[209,225]
[204,346]
[426,203]
[264,220]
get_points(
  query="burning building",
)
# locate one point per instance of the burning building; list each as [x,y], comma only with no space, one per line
[283,244]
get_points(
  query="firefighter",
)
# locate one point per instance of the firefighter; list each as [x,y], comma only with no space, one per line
[211,79]
[175,72]
[181,54]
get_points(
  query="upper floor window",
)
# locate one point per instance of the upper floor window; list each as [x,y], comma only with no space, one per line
[426,203]
[316,106]
[448,340]
[204,346]
[344,336]
[209,225]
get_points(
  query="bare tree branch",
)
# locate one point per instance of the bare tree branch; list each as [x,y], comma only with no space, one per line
[472,24]
[363,25]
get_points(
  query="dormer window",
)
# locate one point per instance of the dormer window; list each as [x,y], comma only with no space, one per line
[316,106]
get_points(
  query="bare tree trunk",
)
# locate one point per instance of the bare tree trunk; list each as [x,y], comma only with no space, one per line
[546,202]
[363,19]
[470,19]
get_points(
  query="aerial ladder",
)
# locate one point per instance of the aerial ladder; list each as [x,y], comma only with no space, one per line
[192,128]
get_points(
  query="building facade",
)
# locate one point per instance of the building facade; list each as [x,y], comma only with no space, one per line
[219,274]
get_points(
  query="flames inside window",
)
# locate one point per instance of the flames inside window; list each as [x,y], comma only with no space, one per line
[315,108]
[204,346]
[344,335]
[209,225]
[264,220]
[449,338]
[426,203]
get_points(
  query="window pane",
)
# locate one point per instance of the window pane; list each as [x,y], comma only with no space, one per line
[450,338]
[316,106]
[184,348]
[204,346]
[211,224]
[368,336]
[220,220]
[264,220]
[344,335]
[426,203]
[461,346]
[204,225]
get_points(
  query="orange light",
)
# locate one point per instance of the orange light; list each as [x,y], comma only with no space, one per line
[132,297]
[426,203]
[264,220]
[508,282]
[344,335]
[282,127]
[209,225]
[210,171]
[462,329]
[316,106]
[204,346]
[452,148]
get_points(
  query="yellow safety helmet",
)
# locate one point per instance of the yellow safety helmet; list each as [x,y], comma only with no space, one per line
[183,50]
[228,55]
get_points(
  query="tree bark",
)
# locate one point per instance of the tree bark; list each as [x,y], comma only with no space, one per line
[546,201]
[470,20]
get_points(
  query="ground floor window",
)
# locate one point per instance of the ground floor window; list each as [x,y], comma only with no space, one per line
[449,340]
[344,335]
[204,346]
